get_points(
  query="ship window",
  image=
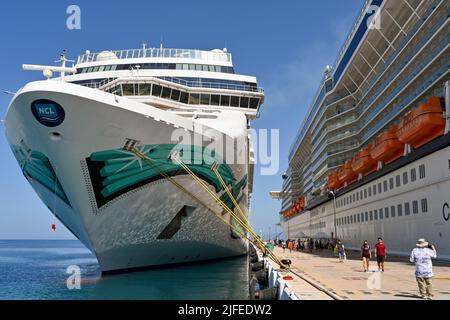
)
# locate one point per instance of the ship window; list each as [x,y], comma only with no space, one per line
[392,211]
[191,66]
[218,69]
[234,102]
[101,68]
[205,67]
[374,190]
[107,68]
[128,89]
[415,206]
[114,67]
[144,89]
[399,210]
[215,99]
[165,93]
[83,70]
[156,90]
[391,183]
[385,185]
[397,181]
[386,212]
[424,205]
[413,174]
[95,69]
[198,67]
[254,102]
[184,97]
[370,191]
[225,101]
[422,171]
[211,68]
[175,95]
[204,99]
[366,216]
[194,98]
[244,102]
[380,213]
[178,66]
[371,215]
[405,178]
[407,209]
[185,66]
[90,69]
[379,188]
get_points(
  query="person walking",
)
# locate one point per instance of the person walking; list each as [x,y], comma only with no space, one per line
[341,251]
[366,255]
[380,254]
[283,245]
[290,246]
[421,256]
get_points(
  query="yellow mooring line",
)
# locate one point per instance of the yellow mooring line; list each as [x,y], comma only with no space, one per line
[244,223]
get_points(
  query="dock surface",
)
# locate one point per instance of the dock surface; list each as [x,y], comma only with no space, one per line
[348,281]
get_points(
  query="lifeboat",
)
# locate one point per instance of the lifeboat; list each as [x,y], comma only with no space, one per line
[333,181]
[346,173]
[363,163]
[387,147]
[423,124]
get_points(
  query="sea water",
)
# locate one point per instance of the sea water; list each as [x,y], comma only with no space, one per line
[40,269]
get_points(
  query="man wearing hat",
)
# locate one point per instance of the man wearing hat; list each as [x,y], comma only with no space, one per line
[421,256]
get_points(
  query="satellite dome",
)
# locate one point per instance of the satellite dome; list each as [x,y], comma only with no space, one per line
[106,55]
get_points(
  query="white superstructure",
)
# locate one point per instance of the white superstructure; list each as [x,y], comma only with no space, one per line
[68,135]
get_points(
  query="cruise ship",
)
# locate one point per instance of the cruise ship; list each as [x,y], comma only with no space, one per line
[121,147]
[372,156]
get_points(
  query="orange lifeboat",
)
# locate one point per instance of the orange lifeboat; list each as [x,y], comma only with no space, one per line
[363,163]
[346,173]
[423,124]
[333,181]
[387,148]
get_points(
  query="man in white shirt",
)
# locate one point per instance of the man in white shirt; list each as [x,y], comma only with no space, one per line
[421,256]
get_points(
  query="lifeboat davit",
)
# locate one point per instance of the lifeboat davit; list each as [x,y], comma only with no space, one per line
[346,173]
[387,147]
[423,124]
[363,162]
[333,181]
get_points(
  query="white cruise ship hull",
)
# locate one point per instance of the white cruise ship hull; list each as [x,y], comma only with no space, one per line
[405,210]
[143,220]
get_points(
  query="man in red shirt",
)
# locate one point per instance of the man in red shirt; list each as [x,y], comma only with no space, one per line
[380,253]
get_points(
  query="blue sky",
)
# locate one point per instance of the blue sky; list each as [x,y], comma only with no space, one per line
[285,44]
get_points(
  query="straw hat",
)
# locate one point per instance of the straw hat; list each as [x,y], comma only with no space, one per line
[422,243]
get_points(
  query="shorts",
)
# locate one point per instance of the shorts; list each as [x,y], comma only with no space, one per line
[380,259]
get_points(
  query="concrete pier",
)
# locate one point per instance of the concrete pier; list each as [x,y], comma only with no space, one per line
[320,276]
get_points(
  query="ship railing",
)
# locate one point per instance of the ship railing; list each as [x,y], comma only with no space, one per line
[213,85]
[155,53]
[97,84]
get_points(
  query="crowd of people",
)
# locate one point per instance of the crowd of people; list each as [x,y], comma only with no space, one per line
[421,256]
